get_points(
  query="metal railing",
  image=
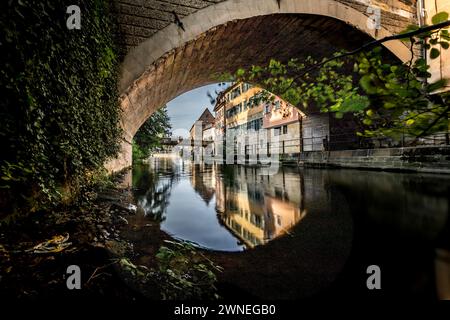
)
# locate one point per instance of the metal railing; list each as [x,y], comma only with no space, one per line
[292,147]
[341,142]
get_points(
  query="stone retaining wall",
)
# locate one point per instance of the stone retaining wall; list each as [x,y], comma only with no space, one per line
[419,159]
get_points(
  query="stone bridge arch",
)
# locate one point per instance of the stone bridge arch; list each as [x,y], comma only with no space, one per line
[164,60]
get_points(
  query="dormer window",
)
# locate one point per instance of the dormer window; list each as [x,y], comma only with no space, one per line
[277,104]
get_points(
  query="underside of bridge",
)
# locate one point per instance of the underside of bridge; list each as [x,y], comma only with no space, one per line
[240,43]
[192,57]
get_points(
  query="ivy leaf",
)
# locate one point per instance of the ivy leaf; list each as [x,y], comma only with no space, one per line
[410,28]
[366,84]
[436,85]
[445,35]
[434,53]
[367,122]
[240,73]
[444,44]
[355,103]
[439,17]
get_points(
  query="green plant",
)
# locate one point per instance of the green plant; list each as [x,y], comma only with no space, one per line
[388,98]
[138,153]
[185,273]
[149,135]
[59,107]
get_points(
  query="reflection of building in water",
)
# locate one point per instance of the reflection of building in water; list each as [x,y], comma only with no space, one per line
[259,208]
[203,180]
[442,271]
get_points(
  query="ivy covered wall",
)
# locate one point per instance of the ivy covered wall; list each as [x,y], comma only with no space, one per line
[59,107]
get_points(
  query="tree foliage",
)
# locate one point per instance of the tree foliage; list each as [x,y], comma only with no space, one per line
[150,133]
[59,108]
[388,97]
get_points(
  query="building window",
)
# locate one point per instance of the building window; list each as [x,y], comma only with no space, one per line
[236,92]
[277,131]
[278,192]
[260,124]
[234,110]
[267,108]
[277,104]
[255,124]
[285,129]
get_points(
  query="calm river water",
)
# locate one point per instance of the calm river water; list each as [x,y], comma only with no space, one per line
[305,232]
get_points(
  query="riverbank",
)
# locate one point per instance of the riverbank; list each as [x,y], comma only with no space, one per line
[36,251]
[121,253]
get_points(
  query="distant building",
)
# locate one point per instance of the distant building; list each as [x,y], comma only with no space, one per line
[255,122]
[284,121]
[204,122]
[202,134]
[261,124]
[238,112]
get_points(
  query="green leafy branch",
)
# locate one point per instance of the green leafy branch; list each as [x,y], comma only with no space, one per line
[387,97]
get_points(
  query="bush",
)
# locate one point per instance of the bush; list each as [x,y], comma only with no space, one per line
[185,273]
[59,106]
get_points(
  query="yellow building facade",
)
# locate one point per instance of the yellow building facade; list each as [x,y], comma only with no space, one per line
[253,208]
[257,126]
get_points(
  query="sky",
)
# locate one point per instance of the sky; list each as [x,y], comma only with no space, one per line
[186,108]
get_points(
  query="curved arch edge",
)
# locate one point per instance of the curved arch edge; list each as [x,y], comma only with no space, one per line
[142,57]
